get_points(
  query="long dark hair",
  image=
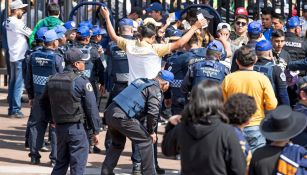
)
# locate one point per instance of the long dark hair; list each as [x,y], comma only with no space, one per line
[206,101]
[147,30]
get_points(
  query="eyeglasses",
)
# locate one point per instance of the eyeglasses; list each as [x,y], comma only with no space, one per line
[241,23]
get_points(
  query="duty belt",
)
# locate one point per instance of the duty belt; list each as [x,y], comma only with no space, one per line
[176,83]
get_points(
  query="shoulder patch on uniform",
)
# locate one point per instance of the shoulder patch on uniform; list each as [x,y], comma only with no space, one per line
[283,76]
[89,87]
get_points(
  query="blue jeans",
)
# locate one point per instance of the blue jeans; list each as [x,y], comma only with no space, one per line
[15,87]
[254,137]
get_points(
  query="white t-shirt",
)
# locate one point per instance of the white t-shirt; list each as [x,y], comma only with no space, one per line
[144,59]
[17,33]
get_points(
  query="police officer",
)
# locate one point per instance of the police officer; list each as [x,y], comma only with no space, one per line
[42,64]
[276,75]
[39,43]
[61,30]
[70,99]
[280,55]
[295,45]
[210,68]
[92,63]
[71,33]
[179,67]
[140,100]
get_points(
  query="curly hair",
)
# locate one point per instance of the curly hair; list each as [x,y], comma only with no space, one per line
[239,108]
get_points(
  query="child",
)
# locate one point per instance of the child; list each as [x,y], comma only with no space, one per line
[239,109]
[280,156]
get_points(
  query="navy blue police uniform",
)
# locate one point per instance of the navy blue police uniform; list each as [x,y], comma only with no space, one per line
[207,69]
[275,73]
[179,67]
[70,100]
[123,117]
[42,64]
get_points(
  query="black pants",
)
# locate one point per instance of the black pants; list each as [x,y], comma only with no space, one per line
[120,127]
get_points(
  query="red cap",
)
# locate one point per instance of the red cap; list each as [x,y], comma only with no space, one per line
[241,11]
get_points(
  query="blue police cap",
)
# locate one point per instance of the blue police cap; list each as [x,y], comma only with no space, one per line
[125,22]
[155,6]
[166,75]
[293,22]
[254,28]
[73,55]
[84,31]
[264,45]
[50,35]
[40,33]
[98,31]
[70,25]
[60,30]
[173,34]
[86,23]
[215,45]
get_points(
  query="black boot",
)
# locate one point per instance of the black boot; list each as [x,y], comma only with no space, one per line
[136,170]
[35,161]
[160,170]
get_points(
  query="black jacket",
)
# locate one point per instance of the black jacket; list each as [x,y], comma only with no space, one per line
[211,149]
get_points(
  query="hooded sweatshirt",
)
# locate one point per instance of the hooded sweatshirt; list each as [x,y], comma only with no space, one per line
[207,149]
[50,22]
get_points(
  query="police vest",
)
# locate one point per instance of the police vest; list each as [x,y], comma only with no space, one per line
[86,50]
[295,47]
[119,64]
[131,100]
[65,107]
[43,65]
[208,70]
[267,70]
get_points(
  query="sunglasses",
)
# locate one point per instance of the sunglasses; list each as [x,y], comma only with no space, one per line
[241,23]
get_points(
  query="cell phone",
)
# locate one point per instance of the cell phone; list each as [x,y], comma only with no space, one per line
[186,25]
[200,17]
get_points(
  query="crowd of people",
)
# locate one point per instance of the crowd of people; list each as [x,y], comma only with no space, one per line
[234,99]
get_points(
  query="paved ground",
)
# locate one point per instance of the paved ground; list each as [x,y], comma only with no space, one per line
[14,159]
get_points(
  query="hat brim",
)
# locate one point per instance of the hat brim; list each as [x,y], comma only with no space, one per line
[174,38]
[298,124]
[20,7]
[208,16]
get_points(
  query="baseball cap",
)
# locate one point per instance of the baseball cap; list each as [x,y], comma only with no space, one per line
[98,31]
[254,28]
[241,11]
[166,75]
[205,13]
[50,35]
[155,6]
[173,34]
[264,45]
[84,31]
[125,22]
[223,25]
[293,22]
[17,4]
[302,83]
[153,21]
[70,25]
[86,23]
[40,33]
[215,46]
[60,30]
[73,55]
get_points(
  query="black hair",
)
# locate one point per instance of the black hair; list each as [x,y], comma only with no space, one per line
[239,108]
[206,102]
[138,11]
[278,33]
[267,11]
[279,17]
[53,9]
[246,56]
[147,30]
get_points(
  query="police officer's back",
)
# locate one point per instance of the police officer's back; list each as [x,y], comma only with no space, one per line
[208,69]
[276,75]
[140,100]
[70,99]
[294,45]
